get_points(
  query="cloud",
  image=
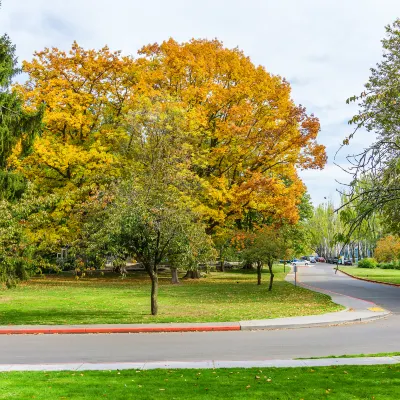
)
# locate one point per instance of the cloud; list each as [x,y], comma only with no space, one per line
[54,24]
[326,184]
[299,81]
[319,58]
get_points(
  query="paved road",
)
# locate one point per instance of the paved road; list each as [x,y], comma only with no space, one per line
[323,276]
[372,337]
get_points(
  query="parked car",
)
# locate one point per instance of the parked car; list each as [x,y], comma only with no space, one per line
[321,259]
[300,263]
[335,260]
[313,260]
[345,261]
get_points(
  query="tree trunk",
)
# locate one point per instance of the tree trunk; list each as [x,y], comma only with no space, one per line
[221,266]
[192,274]
[174,276]
[154,293]
[248,265]
[259,269]
[271,276]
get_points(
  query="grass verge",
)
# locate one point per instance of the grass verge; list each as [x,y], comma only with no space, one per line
[229,296]
[349,382]
[376,274]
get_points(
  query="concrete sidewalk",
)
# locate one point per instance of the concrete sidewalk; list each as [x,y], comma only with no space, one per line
[210,364]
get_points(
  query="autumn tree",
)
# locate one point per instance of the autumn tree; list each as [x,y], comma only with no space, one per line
[230,130]
[249,135]
[80,150]
[387,249]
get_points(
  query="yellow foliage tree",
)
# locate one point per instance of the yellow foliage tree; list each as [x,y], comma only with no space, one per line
[81,147]
[250,137]
[387,249]
[241,137]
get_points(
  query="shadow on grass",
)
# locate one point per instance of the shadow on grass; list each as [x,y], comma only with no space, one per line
[54,316]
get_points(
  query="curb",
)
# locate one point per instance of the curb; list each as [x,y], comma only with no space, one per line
[235,326]
[204,364]
[160,329]
[369,280]
[316,324]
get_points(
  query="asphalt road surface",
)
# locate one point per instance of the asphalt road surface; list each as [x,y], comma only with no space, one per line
[371,337]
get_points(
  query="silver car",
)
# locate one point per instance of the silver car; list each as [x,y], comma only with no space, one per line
[300,263]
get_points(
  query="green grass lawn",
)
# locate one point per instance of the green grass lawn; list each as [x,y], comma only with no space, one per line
[344,382]
[376,274]
[229,296]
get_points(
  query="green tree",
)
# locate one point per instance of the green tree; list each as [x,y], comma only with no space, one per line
[155,227]
[264,246]
[16,125]
[149,212]
[376,169]
[323,228]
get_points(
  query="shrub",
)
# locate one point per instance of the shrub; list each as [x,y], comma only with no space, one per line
[396,264]
[385,265]
[367,263]
[389,265]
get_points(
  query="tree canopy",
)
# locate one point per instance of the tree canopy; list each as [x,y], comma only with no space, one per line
[376,186]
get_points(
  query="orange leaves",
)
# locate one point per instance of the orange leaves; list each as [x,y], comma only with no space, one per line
[252,137]
[388,249]
[231,125]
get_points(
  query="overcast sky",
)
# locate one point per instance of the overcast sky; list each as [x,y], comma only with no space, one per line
[323,47]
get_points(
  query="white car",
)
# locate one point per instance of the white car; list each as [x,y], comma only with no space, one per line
[300,263]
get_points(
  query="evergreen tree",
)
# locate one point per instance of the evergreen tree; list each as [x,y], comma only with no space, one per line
[17,126]
[15,123]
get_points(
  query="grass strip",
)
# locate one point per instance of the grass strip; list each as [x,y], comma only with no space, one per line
[349,382]
[375,274]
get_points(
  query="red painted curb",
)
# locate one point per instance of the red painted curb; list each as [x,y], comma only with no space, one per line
[38,331]
[369,280]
